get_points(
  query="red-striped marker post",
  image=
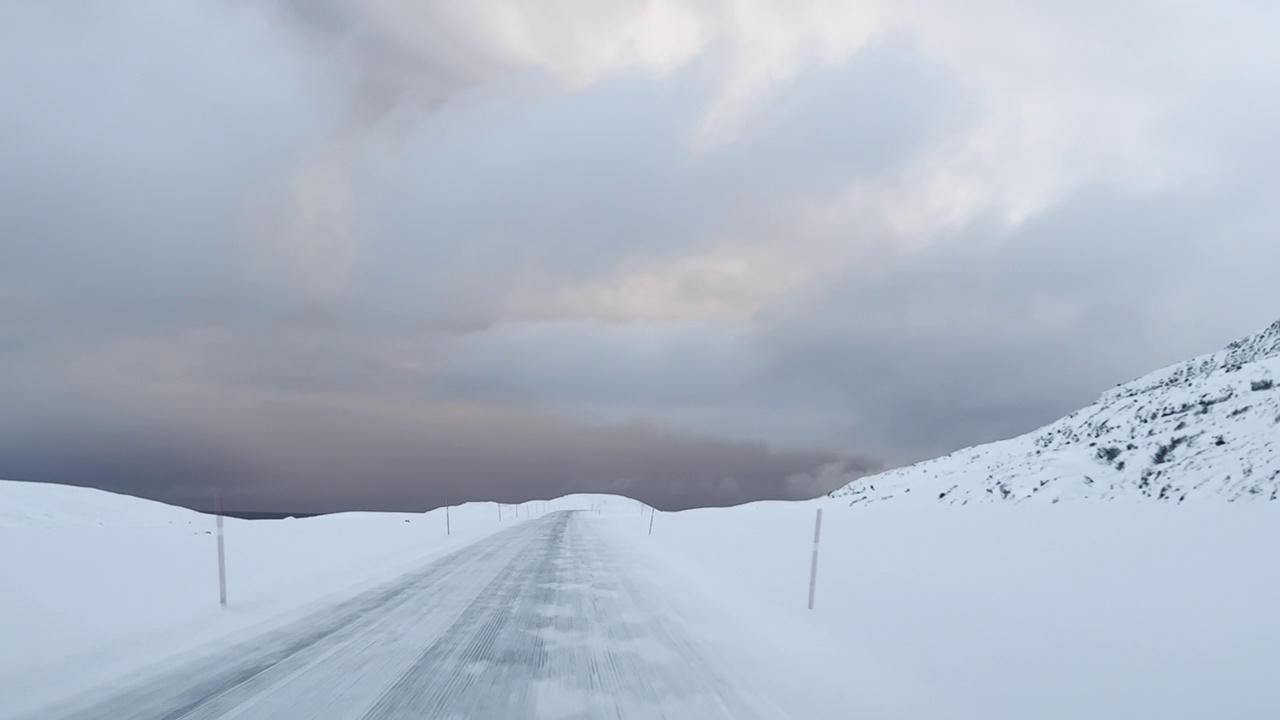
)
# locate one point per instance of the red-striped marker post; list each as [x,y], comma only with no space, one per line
[813,569]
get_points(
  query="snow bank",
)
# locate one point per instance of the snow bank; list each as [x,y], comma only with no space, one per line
[1083,610]
[98,585]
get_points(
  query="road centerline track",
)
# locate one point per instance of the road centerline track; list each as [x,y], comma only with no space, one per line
[539,621]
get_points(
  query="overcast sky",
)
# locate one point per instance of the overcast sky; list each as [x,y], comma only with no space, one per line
[389,254]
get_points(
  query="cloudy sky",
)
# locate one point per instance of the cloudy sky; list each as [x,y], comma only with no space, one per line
[395,253]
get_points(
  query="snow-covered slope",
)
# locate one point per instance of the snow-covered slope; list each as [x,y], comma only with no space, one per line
[47,505]
[1208,428]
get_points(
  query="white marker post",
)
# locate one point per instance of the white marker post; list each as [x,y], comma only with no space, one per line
[222,557]
[448,530]
[813,569]
[499,512]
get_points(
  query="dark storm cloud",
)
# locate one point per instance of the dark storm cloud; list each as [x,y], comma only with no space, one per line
[334,254]
[293,452]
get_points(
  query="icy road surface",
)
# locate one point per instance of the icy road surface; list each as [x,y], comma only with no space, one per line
[540,621]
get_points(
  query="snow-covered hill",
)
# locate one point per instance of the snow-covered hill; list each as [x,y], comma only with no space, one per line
[55,506]
[1208,428]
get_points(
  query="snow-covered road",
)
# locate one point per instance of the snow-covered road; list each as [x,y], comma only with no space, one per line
[544,620]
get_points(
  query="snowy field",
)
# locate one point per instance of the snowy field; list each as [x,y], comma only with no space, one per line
[1075,610]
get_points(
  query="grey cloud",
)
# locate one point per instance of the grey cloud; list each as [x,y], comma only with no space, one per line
[912,355]
[150,342]
[127,165]
[581,362]
[862,119]
[427,62]
[595,181]
[301,453]
[310,421]
[996,333]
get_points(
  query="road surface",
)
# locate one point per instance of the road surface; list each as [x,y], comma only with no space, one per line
[540,621]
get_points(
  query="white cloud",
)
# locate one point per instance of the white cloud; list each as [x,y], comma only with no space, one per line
[1061,95]
[728,283]
[309,231]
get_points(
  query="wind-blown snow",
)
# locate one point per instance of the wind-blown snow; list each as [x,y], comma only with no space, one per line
[1205,429]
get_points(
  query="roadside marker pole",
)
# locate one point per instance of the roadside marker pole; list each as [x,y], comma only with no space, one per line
[448,530]
[651,513]
[222,557]
[813,569]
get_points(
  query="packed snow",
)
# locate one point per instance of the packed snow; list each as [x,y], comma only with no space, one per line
[1205,429]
